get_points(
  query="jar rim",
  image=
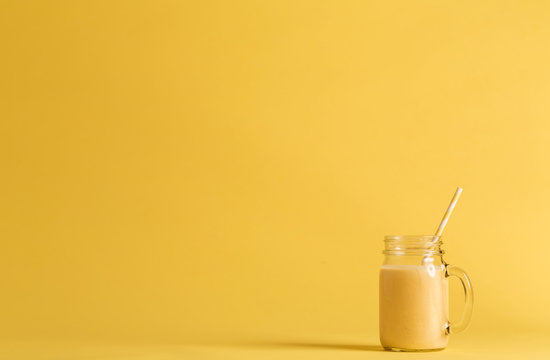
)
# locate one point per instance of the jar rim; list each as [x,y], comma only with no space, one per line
[429,238]
[418,245]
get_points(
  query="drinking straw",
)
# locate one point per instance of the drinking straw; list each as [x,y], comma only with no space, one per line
[443,223]
[448,212]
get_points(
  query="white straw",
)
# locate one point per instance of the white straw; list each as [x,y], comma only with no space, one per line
[448,212]
[427,260]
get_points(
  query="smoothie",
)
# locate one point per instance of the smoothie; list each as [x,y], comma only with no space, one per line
[413,307]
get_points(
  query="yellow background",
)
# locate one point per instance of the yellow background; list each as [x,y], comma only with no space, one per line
[201,172]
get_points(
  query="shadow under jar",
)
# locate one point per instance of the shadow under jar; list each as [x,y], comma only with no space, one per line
[414,295]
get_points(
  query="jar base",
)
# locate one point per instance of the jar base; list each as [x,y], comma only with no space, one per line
[411,350]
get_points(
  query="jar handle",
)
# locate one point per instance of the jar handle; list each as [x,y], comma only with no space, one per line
[451,270]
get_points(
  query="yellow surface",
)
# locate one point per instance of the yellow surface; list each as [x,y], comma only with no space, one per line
[202,172]
[343,346]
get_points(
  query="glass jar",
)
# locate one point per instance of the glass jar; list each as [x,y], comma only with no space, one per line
[414,295]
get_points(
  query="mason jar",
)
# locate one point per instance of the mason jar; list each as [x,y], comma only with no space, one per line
[414,295]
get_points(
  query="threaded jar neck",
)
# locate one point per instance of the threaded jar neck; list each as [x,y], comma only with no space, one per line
[415,245]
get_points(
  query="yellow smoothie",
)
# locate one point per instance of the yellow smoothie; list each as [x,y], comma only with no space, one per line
[414,307]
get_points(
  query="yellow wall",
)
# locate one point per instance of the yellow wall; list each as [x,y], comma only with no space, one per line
[176,170]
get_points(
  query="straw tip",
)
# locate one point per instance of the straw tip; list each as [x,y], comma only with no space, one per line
[459,189]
